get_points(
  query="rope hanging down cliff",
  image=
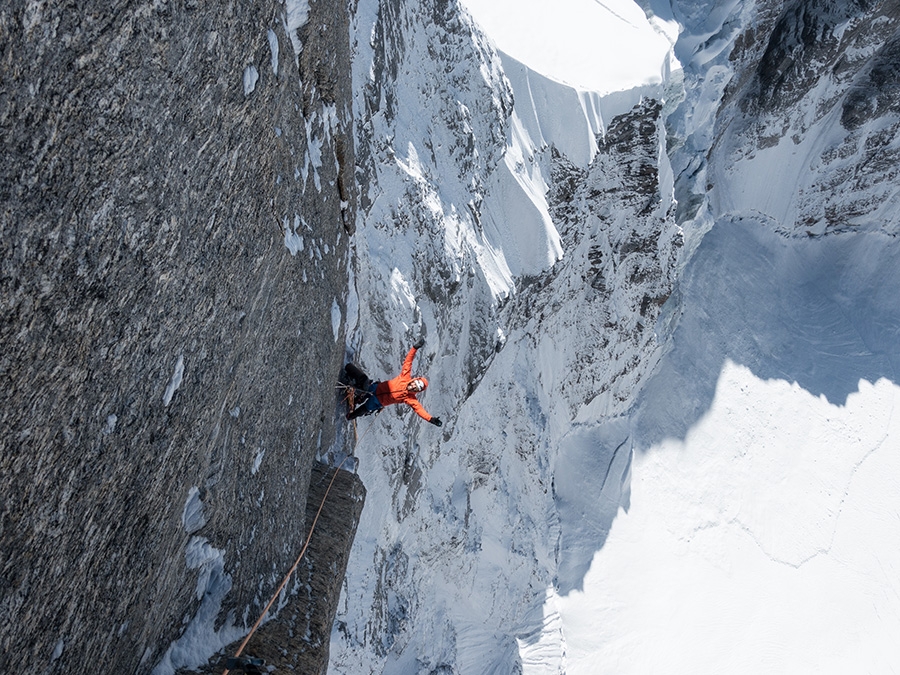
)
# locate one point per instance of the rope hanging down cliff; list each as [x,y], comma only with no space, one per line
[293,568]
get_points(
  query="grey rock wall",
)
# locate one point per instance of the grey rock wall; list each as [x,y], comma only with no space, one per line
[156,332]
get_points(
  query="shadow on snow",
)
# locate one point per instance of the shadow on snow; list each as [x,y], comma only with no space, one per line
[822,313]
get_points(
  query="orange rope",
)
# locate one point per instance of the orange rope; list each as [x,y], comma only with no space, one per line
[351,406]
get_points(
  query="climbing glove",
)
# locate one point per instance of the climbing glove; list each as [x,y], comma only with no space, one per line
[436,421]
[418,344]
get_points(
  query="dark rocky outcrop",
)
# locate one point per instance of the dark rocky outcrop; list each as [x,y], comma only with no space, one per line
[297,638]
[816,80]
[620,238]
[156,333]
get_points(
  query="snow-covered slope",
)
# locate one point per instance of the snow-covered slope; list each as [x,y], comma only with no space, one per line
[600,47]
[761,531]
[655,456]
[812,139]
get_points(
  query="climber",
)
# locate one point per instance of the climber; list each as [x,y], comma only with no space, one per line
[401,389]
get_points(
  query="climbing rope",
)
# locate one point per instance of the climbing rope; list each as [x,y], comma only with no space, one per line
[350,398]
[351,406]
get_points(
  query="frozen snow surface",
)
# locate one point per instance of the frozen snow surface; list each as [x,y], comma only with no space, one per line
[761,532]
[175,382]
[204,634]
[715,492]
[593,45]
[296,14]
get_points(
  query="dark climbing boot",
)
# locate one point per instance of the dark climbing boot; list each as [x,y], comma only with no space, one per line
[357,378]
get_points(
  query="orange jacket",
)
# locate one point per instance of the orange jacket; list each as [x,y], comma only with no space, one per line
[394,391]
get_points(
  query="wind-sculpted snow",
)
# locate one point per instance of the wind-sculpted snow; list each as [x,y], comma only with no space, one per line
[822,314]
[760,509]
[537,281]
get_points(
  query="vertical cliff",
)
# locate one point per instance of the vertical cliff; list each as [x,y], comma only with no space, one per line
[175,202]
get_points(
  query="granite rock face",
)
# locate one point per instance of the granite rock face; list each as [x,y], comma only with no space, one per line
[176,199]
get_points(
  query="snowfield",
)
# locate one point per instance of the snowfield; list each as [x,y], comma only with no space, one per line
[590,45]
[761,528]
[712,492]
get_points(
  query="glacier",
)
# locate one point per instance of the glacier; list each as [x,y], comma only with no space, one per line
[662,330]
